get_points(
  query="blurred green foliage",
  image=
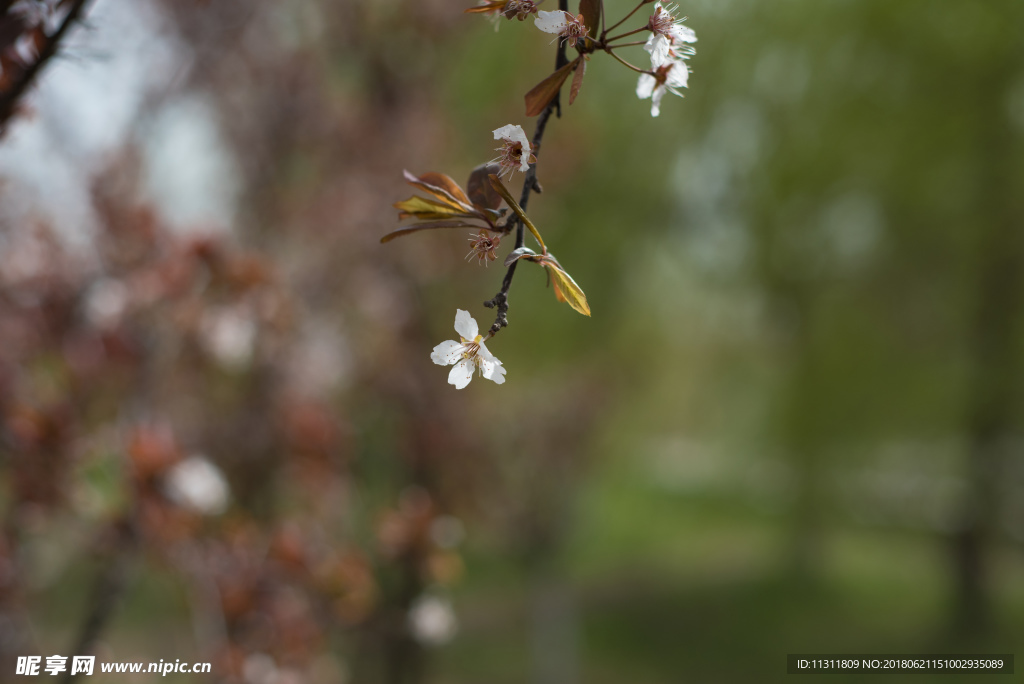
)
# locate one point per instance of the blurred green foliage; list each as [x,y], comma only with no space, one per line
[785,270]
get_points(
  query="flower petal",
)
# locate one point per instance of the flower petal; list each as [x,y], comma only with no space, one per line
[524,161]
[683,33]
[447,353]
[490,366]
[519,136]
[486,354]
[461,373]
[465,325]
[678,75]
[511,132]
[492,370]
[645,86]
[659,47]
[550,22]
[656,96]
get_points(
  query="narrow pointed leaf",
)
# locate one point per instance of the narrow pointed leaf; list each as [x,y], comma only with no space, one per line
[445,182]
[480,9]
[514,206]
[428,226]
[429,210]
[544,92]
[591,11]
[577,80]
[566,289]
[481,193]
[517,254]
[443,188]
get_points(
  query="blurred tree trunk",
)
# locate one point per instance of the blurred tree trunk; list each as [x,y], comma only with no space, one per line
[992,393]
[554,624]
[808,533]
[799,436]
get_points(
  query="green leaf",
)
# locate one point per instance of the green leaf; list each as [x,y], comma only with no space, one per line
[430,210]
[510,200]
[566,289]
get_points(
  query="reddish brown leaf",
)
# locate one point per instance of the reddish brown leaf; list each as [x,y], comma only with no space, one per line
[491,6]
[577,80]
[438,184]
[428,226]
[591,11]
[442,181]
[481,193]
[544,92]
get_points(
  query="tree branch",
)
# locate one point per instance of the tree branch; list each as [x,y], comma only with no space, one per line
[9,100]
[107,591]
[530,185]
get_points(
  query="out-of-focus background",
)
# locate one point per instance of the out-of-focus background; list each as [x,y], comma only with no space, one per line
[793,423]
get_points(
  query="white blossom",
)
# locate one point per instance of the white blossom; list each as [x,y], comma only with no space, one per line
[432,620]
[551,22]
[468,355]
[562,24]
[198,484]
[229,334]
[668,36]
[516,150]
[105,302]
[667,78]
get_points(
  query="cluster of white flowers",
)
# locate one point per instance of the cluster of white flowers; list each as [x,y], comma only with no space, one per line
[669,47]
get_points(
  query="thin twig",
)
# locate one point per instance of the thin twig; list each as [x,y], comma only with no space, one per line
[623,35]
[9,100]
[631,66]
[107,591]
[622,45]
[620,21]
